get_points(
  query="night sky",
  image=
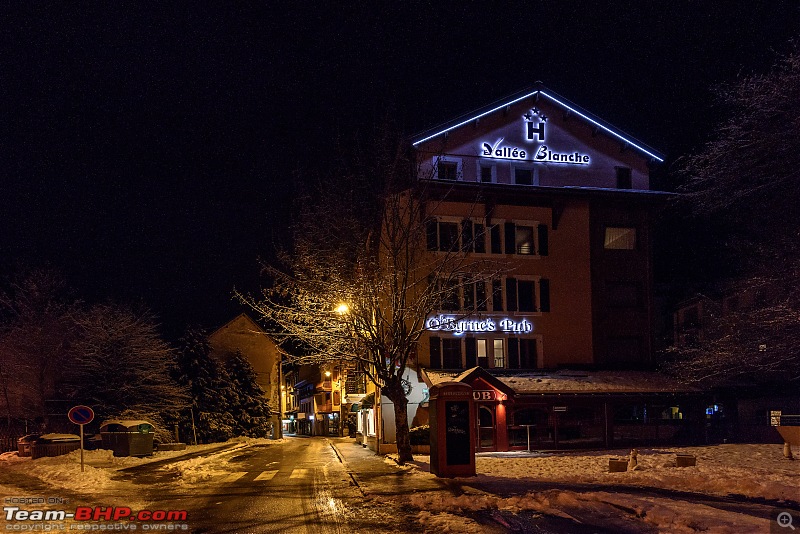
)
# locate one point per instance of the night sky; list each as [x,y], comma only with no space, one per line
[148,149]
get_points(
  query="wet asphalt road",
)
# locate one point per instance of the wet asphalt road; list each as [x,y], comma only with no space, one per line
[299,486]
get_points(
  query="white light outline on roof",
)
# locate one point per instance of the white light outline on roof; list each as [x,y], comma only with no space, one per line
[615,134]
[612,132]
[476,117]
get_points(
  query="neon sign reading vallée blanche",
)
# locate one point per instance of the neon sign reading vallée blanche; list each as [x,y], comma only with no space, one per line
[448,323]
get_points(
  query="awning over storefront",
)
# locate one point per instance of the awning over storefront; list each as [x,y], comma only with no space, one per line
[565,381]
[354,407]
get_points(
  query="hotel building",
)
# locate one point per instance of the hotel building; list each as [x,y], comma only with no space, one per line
[558,346]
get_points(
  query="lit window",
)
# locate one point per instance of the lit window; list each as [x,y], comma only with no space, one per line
[482,361]
[620,238]
[499,353]
[524,239]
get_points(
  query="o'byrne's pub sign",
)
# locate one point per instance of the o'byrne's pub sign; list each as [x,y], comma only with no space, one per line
[456,326]
[534,123]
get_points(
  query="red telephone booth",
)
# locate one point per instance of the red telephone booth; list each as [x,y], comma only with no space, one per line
[452,421]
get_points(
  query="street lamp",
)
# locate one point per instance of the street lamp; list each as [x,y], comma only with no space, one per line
[342,309]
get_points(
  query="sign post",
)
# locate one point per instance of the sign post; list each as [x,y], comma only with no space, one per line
[81,415]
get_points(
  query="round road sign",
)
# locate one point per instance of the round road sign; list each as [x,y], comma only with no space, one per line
[81,415]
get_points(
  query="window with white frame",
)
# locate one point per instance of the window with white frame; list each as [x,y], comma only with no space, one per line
[499,353]
[487,174]
[447,168]
[527,238]
[451,235]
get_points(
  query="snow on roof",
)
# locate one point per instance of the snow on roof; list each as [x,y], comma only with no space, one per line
[570,381]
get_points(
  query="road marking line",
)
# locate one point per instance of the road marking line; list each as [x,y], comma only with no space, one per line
[299,473]
[265,475]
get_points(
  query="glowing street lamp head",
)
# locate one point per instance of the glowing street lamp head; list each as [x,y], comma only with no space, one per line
[342,309]
[327,373]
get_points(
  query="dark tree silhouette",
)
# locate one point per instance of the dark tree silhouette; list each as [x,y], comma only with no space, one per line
[745,183]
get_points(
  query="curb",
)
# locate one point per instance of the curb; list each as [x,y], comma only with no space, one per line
[350,472]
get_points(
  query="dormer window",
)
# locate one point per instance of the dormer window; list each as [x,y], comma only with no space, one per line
[624,180]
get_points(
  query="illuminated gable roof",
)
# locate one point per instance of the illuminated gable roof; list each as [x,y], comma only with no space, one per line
[538,91]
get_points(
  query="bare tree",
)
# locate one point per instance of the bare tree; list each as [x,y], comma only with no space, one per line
[744,183]
[360,282]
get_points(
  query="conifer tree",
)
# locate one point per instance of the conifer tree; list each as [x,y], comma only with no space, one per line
[249,406]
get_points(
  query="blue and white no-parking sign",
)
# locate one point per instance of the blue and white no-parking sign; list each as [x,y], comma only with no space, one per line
[81,415]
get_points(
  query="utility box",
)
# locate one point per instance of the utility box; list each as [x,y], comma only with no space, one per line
[128,437]
[453,430]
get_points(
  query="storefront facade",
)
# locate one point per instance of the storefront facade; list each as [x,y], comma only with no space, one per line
[557,206]
[579,410]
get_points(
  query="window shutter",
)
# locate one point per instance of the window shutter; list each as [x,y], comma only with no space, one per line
[543,243]
[544,295]
[430,233]
[511,294]
[466,236]
[495,238]
[472,352]
[513,353]
[511,238]
[436,352]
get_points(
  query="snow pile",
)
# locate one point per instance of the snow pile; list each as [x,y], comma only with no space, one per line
[623,512]
[446,522]
[204,469]
[750,470]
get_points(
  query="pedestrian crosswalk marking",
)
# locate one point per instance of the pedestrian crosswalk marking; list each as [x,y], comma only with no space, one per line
[299,473]
[266,475]
[233,477]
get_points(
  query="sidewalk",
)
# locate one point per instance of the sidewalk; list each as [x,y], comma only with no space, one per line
[377,475]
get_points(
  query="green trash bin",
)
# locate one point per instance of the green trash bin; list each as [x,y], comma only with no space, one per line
[127,437]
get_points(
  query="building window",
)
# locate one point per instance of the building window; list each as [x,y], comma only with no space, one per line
[451,353]
[483,360]
[497,295]
[526,239]
[487,174]
[447,168]
[499,353]
[522,295]
[620,238]
[356,383]
[451,236]
[624,180]
[497,245]
[523,353]
[525,176]
[474,292]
